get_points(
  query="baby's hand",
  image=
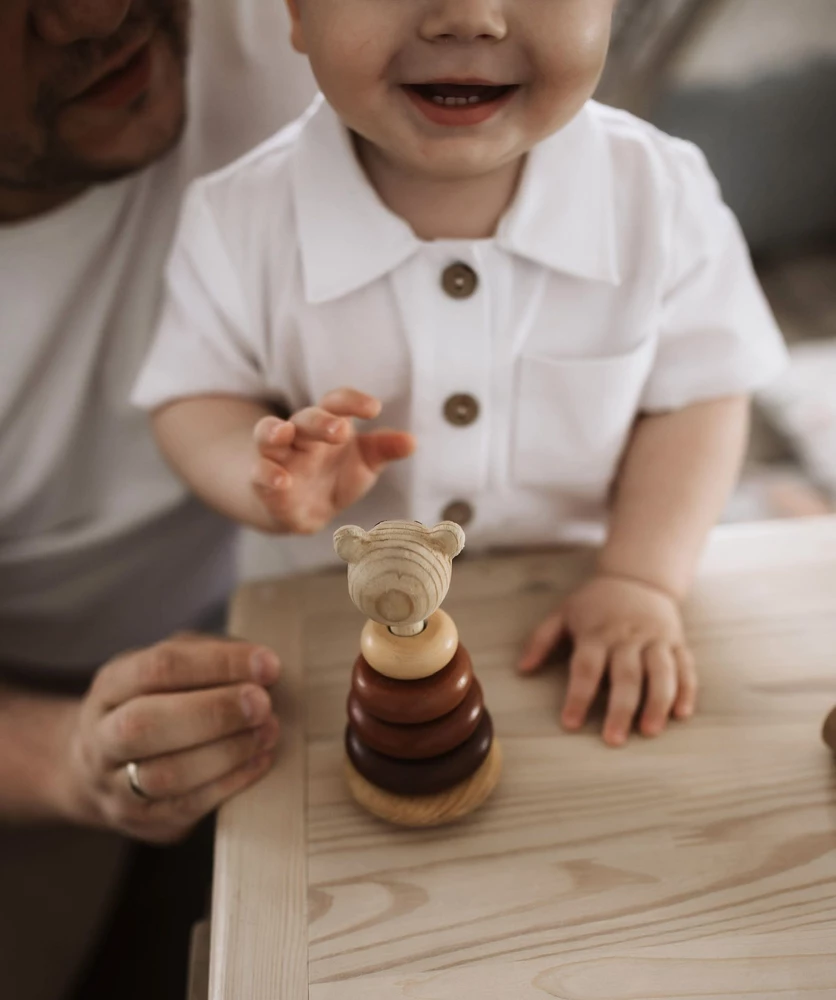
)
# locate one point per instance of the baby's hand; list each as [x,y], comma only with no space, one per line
[635,632]
[316,464]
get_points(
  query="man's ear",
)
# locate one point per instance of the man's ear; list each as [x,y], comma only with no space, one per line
[350,543]
[297,35]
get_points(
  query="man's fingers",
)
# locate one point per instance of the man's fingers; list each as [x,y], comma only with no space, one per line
[686,699]
[347,402]
[174,775]
[662,684]
[169,815]
[380,447]
[585,673]
[540,643]
[626,676]
[315,425]
[157,724]
[183,665]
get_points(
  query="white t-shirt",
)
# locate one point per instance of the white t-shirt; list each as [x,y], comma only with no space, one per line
[617,283]
[100,546]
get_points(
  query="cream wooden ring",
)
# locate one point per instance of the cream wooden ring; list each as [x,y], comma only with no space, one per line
[428,810]
[409,658]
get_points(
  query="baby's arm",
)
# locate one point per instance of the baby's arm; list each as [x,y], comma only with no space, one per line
[210,442]
[674,479]
[277,475]
[676,476]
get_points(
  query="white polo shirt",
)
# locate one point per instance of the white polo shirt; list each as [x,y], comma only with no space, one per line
[617,283]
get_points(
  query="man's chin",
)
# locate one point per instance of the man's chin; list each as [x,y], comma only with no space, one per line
[103,141]
[133,152]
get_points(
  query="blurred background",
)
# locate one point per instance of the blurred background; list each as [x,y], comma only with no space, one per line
[753,83]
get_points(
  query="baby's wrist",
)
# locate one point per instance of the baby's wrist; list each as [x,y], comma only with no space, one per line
[661,588]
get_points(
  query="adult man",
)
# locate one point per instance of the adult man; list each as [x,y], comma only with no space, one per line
[103,120]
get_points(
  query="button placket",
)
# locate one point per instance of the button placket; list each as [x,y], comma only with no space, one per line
[451,342]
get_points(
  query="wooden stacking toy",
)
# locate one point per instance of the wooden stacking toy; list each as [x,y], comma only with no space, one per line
[829,730]
[420,748]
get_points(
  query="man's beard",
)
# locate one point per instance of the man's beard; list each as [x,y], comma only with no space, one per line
[56,164]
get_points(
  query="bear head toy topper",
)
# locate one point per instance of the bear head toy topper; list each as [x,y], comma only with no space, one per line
[399,572]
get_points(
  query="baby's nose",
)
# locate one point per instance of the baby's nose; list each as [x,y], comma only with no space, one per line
[464,21]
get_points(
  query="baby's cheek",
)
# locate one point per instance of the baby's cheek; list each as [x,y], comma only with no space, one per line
[569,59]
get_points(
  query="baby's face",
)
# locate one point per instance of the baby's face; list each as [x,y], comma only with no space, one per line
[454,88]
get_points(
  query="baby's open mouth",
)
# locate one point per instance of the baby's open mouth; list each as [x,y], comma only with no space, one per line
[453,95]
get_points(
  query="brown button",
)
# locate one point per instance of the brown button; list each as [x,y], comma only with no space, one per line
[459,281]
[461,410]
[459,511]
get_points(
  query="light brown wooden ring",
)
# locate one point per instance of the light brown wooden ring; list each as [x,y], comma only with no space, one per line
[426,739]
[428,810]
[411,702]
[408,658]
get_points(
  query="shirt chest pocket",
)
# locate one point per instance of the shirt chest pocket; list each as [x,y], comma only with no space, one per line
[573,418]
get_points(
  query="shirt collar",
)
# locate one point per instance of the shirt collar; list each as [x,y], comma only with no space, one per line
[563,216]
[348,237]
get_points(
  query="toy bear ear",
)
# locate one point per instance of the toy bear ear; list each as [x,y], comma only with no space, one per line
[447,538]
[350,543]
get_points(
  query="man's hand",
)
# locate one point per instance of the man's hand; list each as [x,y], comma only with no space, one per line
[633,631]
[316,464]
[195,717]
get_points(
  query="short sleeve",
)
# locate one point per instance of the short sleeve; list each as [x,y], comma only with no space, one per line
[717,335]
[205,340]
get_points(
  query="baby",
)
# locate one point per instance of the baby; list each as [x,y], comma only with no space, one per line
[548,297]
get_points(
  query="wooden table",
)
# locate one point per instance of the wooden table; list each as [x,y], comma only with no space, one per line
[701,864]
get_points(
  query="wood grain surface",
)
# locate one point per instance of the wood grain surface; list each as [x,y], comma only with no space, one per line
[701,864]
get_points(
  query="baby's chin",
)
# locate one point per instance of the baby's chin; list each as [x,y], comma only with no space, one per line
[460,159]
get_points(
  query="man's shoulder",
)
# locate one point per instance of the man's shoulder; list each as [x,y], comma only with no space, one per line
[259,178]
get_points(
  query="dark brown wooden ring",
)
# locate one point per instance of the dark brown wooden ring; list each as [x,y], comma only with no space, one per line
[426,739]
[421,777]
[411,702]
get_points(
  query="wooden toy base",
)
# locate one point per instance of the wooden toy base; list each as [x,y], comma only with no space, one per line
[428,810]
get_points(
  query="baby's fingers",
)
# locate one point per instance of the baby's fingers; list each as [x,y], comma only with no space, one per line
[269,476]
[686,699]
[351,403]
[272,436]
[541,642]
[315,424]
[662,684]
[585,673]
[626,677]
[381,447]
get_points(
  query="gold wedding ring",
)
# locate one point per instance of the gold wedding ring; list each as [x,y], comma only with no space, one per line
[133,780]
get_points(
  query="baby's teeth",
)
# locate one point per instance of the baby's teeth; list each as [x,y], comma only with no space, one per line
[455,102]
